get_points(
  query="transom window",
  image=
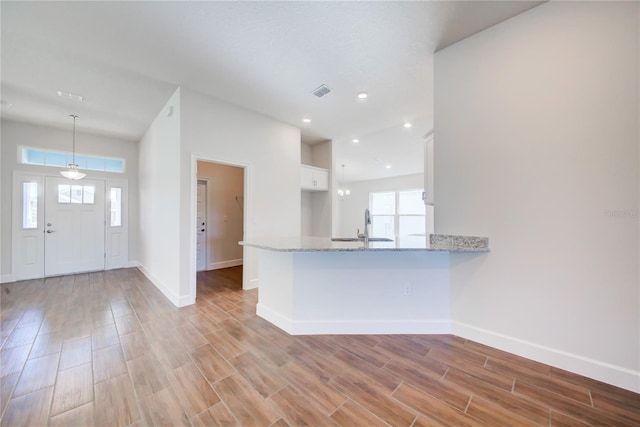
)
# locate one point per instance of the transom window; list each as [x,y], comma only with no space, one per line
[61,159]
[397,213]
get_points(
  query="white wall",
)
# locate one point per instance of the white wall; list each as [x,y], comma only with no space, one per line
[159,240]
[15,134]
[225,219]
[270,150]
[536,127]
[351,208]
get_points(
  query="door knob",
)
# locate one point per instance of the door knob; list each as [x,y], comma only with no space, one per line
[51,231]
[202,229]
[48,224]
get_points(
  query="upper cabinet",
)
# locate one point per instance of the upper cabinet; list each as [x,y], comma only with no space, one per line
[313,178]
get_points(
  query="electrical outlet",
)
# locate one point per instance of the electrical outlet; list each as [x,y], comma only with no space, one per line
[407,288]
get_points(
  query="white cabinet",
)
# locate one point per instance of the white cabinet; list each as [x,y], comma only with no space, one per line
[313,178]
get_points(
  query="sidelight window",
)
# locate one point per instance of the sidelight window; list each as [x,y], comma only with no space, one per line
[116,206]
[29,205]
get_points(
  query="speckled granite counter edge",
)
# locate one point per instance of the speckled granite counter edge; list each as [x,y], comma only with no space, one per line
[437,243]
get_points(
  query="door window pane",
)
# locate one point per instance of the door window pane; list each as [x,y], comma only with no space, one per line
[88,192]
[116,207]
[29,205]
[64,193]
[76,194]
[410,202]
[383,203]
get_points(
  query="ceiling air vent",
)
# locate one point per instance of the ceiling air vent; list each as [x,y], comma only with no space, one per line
[321,91]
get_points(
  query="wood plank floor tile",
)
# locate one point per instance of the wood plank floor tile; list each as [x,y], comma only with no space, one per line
[163,409]
[433,408]
[581,412]
[37,373]
[531,410]
[170,354]
[108,363]
[268,348]
[22,336]
[363,350]
[134,345]
[378,378]
[352,414]
[261,374]
[298,411]
[74,388]
[422,421]
[374,401]
[127,325]
[192,390]
[116,404]
[225,344]
[7,385]
[75,353]
[12,359]
[559,419]
[216,416]
[212,365]
[147,375]
[28,410]
[456,356]
[202,323]
[189,336]
[320,365]
[83,416]
[625,408]
[46,344]
[312,387]
[412,374]
[104,336]
[494,415]
[249,408]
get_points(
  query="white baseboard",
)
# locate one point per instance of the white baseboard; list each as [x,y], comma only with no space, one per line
[253,283]
[354,327]
[171,296]
[132,264]
[224,264]
[598,370]
[6,278]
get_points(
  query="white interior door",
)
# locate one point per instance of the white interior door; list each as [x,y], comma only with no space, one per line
[201,226]
[74,226]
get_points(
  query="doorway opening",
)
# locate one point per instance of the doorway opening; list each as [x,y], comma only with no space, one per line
[220,215]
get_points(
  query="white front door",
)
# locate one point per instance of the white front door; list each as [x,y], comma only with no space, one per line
[201,226]
[73,226]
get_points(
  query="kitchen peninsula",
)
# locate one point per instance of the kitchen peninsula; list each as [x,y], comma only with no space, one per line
[313,285]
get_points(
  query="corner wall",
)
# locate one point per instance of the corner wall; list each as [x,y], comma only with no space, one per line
[159,189]
[536,123]
[213,130]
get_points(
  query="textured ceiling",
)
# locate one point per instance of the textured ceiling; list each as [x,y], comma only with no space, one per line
[127,58]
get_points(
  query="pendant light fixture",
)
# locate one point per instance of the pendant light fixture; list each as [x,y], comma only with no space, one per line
[343,191]
[73,172]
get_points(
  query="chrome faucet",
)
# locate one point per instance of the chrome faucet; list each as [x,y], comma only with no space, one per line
[367,221]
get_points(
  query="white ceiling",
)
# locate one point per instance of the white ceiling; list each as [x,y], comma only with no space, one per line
[127,58]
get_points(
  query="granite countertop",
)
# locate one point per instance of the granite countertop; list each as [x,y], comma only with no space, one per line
[432,242]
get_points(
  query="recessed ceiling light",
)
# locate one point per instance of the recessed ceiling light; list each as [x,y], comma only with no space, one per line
[355,141]
[362,95]
[70,96]
[306,120]
[407,125]
[388,166]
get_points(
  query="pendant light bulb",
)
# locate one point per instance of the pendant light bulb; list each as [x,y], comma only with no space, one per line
[73,172]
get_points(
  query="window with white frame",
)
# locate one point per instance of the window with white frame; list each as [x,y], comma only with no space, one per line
[397,213]
[37,156]
[115,197]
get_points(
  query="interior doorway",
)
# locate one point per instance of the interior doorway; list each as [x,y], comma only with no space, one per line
[220,215]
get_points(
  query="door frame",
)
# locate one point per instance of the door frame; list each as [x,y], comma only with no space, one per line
[19,176]
[247,255]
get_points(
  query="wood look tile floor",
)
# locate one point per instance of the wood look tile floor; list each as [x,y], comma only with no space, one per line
[107,349]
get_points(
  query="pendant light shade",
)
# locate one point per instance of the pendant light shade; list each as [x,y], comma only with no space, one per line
[73,172]
[341,190]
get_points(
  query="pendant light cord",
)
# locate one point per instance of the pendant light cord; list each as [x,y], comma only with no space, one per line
[74,137]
